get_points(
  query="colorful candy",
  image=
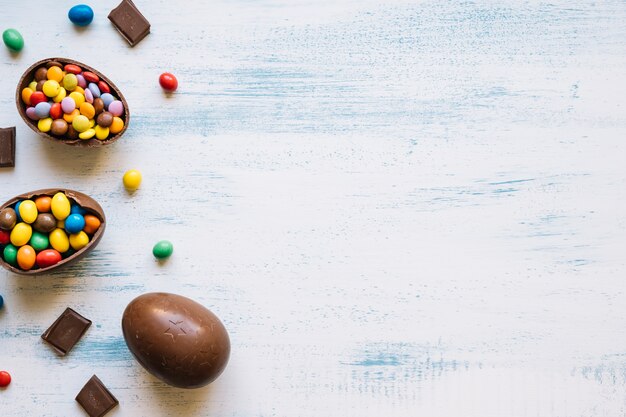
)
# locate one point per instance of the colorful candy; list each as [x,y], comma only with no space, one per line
[1,302]
[132,179]
[163,249]
[80,15]
[5,379]
[168,81]
[26,257]
[13,40]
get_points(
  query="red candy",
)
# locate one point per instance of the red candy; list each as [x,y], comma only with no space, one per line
[47,258]
[56,112]
[37,97]
[91,77]
[104,87]
[5,237]
[73,69]
[167,80]
[5,378]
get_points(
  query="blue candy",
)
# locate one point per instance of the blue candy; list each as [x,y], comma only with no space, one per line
[95,91]
[74,223]
[81,15]
[42,110]
[17,212]
[76,209]
[107,99]
[1,301]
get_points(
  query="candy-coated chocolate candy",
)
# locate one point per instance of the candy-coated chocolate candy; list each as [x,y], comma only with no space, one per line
[92,223]
[60,206]
[60,96]
[1,302]
[59,127]
[98,105]
[5,237]
[37,97]
[13,40]
[103,87]
[87,109]
[71,132]
[8,218]
[41,74]
[132,179]
[76,209]
[116,126]
[51,64]
[163,249]
[59,240]
[68,104]
[51,88]
[55,74]
[116,108]
[69,117]
[39,241]
[39,86]
[5,378]
[92,123]
[48,258]
[26,257]
[77,97]
[168,81]
[88,95]
[56,111]
[17,211]
[107,99]
[43,203]
[10,254]
[42,110]
[95,91]
[33,85]
[30,112]
[105,119]
[80,15]
[26,93]
[72,69]
[79,240]
[45,124]
[45,223]
[81,81]
[80,123]
[87,134]
[101,132]
[21,233]
[91,77]
[28,211]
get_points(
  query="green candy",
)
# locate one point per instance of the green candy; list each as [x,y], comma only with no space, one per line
[163,249]
[39,241]
[13,40]
[10,254]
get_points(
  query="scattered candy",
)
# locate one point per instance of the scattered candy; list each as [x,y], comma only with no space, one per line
[5,379]
[132,179]
[163,249]
[168,81]
[13,40]
[81,15]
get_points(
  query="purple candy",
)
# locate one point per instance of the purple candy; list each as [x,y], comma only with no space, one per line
[30,112]
[68,105]
[95,91]
[116,108]
[88,96]
[81,81]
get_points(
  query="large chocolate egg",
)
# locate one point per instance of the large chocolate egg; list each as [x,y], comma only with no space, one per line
[176,339]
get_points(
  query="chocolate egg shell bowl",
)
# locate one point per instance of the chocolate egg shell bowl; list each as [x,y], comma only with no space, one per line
[46,229]
[68,102]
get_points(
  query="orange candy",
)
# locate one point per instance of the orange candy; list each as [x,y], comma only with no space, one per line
[92,223]
[26,257]
[43,204]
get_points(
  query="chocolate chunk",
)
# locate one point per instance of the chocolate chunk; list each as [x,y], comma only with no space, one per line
[7,147]
[66,331]
[95,398]
[130,22]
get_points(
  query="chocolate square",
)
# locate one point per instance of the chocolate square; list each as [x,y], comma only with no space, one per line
[66,331]
[95,398]
[129,21]
[7,147]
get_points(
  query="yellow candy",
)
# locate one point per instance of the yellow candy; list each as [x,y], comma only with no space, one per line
[55,74]
[79,240]
[78,98]
[26,93]
[33,85]
[116,126]
[102,132]
[70,82]
[70,117]
[132,179]
[87,134]
[60,96]
[21,234]
[59,240]
[60,206]
[80,123]
[28,211]
[45,124]
[50,88]
[79,89]
[88,110]
[92,123]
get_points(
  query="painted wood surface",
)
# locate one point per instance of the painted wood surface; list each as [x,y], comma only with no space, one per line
[397,208]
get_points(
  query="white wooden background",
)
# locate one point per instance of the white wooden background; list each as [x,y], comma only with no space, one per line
[398,208]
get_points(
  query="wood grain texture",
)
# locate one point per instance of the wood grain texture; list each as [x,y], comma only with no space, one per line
[397,208]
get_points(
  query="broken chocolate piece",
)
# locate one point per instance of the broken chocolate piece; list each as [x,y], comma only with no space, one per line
[95,398]
[129,21]
[7,147]
[66,331]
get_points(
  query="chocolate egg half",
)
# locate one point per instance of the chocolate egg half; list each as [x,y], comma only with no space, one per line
[176,339]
